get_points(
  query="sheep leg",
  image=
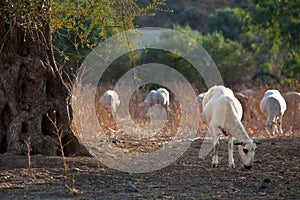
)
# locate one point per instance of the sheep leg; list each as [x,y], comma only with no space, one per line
[268,125]
[169,115]
[230,152]
[168,112]
[215,161]
[274,125]
[280,124]
[267,129]
[216,138]
[274,128]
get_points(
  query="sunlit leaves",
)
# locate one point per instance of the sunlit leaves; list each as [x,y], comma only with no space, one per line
[77,26]
[80,25]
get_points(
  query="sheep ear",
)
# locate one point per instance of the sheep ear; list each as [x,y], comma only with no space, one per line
[256,142]
[238,143]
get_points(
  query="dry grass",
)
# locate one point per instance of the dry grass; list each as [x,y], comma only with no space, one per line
[69,178]
[91,126]
[28,145]
[254,120]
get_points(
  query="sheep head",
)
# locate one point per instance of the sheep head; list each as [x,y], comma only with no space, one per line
[247,152]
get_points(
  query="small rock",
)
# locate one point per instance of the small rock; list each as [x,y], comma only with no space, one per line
[131,187]
[267,180]
[288,182]
[281,172]
[263,186]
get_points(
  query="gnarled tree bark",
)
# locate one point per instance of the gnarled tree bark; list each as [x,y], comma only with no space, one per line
[34,98]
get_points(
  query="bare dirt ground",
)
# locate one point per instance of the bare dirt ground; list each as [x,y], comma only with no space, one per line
[275,175]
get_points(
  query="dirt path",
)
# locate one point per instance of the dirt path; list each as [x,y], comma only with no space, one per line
[276,174]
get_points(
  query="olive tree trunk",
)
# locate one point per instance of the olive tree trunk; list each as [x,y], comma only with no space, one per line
[34,98]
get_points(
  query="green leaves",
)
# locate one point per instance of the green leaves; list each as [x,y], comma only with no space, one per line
[78,26]
[225,21]
[234,62]
[279,23]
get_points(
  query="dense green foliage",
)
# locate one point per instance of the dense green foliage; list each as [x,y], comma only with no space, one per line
[226,22]
[249,37]
[239,44]
[266,39]
[234,61]
[143,56]
[278,22]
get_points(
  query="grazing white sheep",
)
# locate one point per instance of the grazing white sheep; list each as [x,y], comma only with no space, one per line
[199,98]
[222,112]
[110,99]
[274,105]
[160,96]
[292,97]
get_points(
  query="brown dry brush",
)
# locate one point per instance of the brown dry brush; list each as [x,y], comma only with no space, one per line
[27,142]
[253,119]
[31,173]
[28,145]
[165,134]
[70,181]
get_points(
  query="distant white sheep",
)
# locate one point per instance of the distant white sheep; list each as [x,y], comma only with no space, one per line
[292,113]
[160,96]
[243,99]
[110,99]
[222,112]
[199,98]
[273,105]
[292,97]
[247,92]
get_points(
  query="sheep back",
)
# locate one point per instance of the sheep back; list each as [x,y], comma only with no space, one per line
[218,100]
[272,102]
